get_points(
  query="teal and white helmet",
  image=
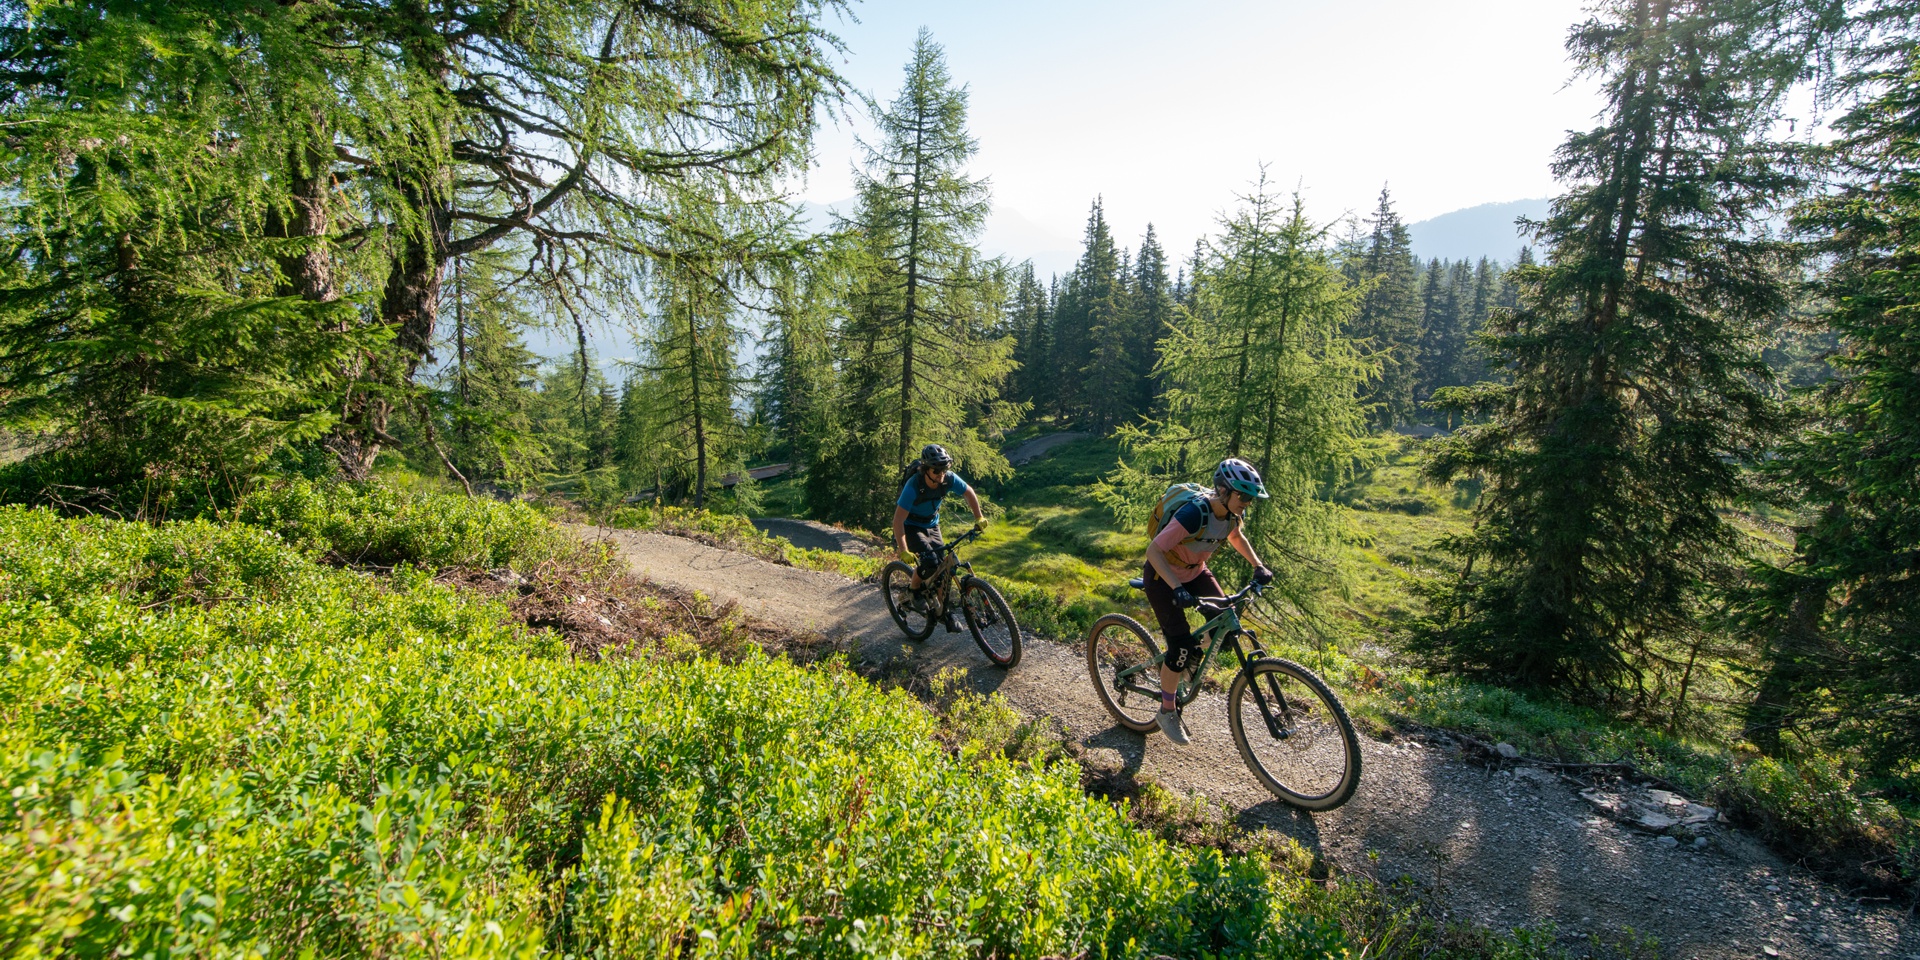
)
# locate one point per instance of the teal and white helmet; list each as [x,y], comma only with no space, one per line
[1234,473]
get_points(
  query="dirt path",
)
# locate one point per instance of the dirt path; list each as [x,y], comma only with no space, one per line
[811,535]
[1504,849]
[1038,446]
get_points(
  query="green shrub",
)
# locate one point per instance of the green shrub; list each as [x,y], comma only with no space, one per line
[306,758]
[378,526]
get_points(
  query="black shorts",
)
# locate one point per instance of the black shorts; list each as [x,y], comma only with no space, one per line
[1181,646]
[919,541]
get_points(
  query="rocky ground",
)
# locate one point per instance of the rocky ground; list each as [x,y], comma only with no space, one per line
[1502,841]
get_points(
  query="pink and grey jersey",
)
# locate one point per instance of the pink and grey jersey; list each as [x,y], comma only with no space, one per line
[1189,560]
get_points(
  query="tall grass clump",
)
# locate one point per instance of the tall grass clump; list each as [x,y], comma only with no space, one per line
[212,744]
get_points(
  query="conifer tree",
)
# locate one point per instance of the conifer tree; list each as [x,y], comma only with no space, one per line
[1259,368]
[1637,388]
[1110,379]
[1029,320]
[692,352]
[1841,621]
[1435,330]
[363,150]
[918,365]
[485,395]
[154,334]
[1088,336]
[1388,320]
[1153,305]
[797,371]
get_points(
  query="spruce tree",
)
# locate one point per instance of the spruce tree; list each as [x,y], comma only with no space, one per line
[1028,318]
[1110,379]
[917,362]
[1841,621]
[1153,309]
[154,335]
[1637,391]
[1388,320]
[1435,330]
[692,354]
[1088,336]
[797,369]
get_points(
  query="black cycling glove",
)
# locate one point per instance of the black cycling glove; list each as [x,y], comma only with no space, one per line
[1183,598]
[1262,576]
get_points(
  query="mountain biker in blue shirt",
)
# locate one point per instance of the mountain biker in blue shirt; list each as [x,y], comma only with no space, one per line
[916,515]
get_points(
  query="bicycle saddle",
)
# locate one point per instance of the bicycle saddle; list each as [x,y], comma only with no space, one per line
[1138,583]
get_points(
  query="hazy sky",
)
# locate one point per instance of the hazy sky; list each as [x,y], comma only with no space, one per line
[1168,109]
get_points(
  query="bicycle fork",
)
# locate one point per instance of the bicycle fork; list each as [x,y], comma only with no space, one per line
[1275,728]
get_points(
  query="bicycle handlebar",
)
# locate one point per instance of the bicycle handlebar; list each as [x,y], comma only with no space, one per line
[1211,607]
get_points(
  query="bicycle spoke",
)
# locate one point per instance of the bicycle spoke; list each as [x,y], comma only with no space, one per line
[1121,660]
[990,622]
[1294,735]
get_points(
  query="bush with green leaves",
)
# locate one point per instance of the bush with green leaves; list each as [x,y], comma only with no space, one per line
[377,525]
[211,744]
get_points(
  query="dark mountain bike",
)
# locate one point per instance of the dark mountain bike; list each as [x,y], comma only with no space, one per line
[1291,730]
[985,610]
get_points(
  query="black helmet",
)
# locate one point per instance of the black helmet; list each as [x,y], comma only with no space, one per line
[934,455]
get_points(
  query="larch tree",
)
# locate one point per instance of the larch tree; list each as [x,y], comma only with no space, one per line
[364,147]
[1259,367]
[918,362]
[483,396]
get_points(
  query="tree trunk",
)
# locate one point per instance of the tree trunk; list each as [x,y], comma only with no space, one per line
[699,422]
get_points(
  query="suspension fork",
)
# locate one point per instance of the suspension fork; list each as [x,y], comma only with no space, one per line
[1280,727]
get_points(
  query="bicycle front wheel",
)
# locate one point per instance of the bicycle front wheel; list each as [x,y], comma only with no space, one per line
[1118,643]
[990,622]
[1294,734]
[909,611]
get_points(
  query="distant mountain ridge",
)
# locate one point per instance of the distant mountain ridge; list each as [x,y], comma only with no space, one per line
[1483,231]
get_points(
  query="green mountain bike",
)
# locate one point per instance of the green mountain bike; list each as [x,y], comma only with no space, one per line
[1291,730]
[985,610]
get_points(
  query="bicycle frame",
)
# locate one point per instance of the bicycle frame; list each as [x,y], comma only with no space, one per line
[936,583]
[1225,630]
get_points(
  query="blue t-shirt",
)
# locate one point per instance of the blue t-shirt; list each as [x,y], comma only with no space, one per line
[923,504]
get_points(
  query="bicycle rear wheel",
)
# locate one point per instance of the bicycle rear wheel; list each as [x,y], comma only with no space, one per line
[909,612]
[990,622]
[1294,734]
[1118,642]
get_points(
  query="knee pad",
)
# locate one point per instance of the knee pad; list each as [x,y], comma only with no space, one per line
[1179,658]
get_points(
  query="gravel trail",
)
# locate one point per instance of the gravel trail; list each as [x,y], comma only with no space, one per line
[1502,847]
[1039,446]
[812,535]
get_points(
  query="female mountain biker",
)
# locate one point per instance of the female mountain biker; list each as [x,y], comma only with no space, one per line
[916,515]
[1176,575]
